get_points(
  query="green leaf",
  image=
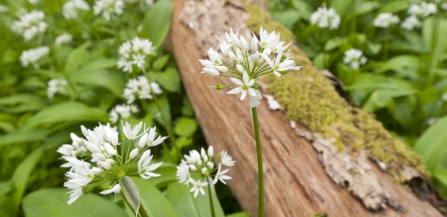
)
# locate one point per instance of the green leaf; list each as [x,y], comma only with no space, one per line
[405,65]
[431,146]
[394,6]
[24,136]
[441,175]
[167,175]
[427,33]
[165,109]
[53,203]
[321,60]
[366,6]
[22,103]
[67,111]
[239,214]
[157,21]
[160,62]
[154,202]
[340,6]
[182,200]
[96,64]
[131,193]
[333,43]
[288,18]
[186,126]
[76,58]
[203,203]
[169,79]
[111,80]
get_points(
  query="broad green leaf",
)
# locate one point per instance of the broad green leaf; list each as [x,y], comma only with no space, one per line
[131,193]
[53,203]
[24,136]
[160,62]
[333,43]
[366,6]
[167,173]
[165,110]
[340,6]
[428,33]
[239,214]
[186,126]
[111,80]
[441,175]
[204,204]
[303,9]
[394,6]
[182,200]
[51,6]
[67,111]
[321,60]
[404,65]
[431,146]
[76,58]
[169,79]
[157,21]
[381,98]
[22,103]
[153,201]
[102,63]
[287,18]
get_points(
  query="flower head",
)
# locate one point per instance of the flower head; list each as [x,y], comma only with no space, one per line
[141,89]
[354,58]
[56,86]
[123,111]
[411,22]
[385,20]
[63,39]
[31,56]
[108,7]
[246,60]
[73,7]
[134,53]
[423,10]
[325,18]
[30,24]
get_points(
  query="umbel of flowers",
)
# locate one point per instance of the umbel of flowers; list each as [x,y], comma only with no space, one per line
[105,156]
[245,62]
[204,166]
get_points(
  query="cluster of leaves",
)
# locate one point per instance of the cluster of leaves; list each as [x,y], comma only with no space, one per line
[404,82]
[32,126]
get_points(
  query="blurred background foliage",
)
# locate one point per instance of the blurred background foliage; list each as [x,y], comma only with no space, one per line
[404,81]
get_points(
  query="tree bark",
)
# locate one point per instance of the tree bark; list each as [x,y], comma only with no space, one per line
[297,178]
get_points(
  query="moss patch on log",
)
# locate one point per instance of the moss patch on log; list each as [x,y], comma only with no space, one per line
[308,97]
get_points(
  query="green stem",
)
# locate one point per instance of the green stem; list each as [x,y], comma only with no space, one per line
[118,39]
[141,211]
[434,50]
[260,171]
[387,43]
[211,200]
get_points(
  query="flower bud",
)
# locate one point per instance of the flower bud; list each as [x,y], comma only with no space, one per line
[211,72]
[96,170]
[133,153]
[240,68]
[219,86]
[210,165]
[254,44]
[204,170]
[100,157]
[224,49]
[244,44]
[192,168]
[109,148]
[143,140]
[210,151]
[222,68]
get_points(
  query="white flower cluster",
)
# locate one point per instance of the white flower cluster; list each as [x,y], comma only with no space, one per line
[31,56]
[134,52]
[108,7]
[354,58]
[106,163]
[203,163]
[63,39]
[141,88]
[325,18]
[243,69]
[418,11]
[33,1]
[3,9]
[123,111]
[30,24]
[385,20]
[56,86]
[72,7]
[423,10]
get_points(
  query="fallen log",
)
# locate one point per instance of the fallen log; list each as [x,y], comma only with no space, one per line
[336,161]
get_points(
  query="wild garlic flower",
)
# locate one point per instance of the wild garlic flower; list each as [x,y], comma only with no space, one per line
[3,9]
[33,1]
[141,89]
[423,10]
[244,67]
[444,97]
[325,18]
[30,24]
[150,2]
[56,86]
[63,39]
[354,58]
[100,158]
[123,111]
[385,20]
[73,7]
[31,56]
[134,52]
[202,163]
[411,22]
[108,7]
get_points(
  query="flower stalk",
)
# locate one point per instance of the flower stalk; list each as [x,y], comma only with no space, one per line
[260,169]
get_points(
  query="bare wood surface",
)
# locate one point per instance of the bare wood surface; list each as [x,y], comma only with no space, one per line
[295,182]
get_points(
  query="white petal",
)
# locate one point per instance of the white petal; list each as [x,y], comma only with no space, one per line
[235,90]
[237,81]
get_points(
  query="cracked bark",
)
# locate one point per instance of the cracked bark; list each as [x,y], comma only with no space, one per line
[304,174]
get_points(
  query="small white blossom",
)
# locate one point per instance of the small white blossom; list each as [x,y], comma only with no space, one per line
[144,169]
[246,87]
[354,58]
[30,24]
[150,2]
[140,87]
[220,175]
[134,52]
[63,39]
[115,189]
[325,18]
[123,111]
[73,7]
[108,7]
[31,56]
[183,173]
[56,86]
[411,22]
[197,186]
[385,20]
[3,9]
[132,133]
[423,10]
[227,160]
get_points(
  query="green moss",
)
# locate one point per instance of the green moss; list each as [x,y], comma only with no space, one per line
[308,97]
[320,214]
